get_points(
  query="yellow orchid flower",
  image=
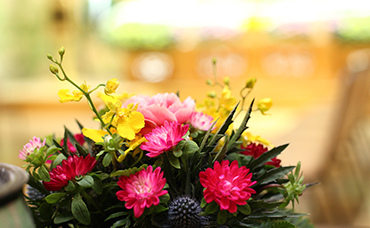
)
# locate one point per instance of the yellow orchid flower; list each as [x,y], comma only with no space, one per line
[227,100]
[95,135]
[76,95]
[133,144]
[264,105]
[247,138]
[129,123]
[111,86]
[113,98]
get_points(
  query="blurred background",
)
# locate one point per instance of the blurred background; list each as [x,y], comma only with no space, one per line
[310,56]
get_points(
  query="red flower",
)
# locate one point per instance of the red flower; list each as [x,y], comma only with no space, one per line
[142,189]
[71,168]
[79,138]
[256,150]
[164,138]
[228,186]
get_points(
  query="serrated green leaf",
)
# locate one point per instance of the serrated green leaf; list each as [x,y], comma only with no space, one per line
[86,182]
[80,210]
[282,224]
[55,197]
[115,215]
[267,156]
[43,173]
[274,174]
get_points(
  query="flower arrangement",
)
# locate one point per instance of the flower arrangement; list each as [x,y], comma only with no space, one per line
[158,161]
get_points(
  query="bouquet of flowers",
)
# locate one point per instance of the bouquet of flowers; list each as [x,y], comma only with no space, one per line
[158,161]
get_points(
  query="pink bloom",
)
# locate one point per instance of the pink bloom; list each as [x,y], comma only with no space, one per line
[162,107]
[164,138]
[201,121]
[35,143]
[71,168]
[79,138]
[228,186]
[256,150]
[142,189]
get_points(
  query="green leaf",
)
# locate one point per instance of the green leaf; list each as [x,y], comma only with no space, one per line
[61,218]
[107,159]
[160,208]
[274,174]
[79,210]
[282,224]
[59,159]
[98,185]
[43,173]
[86,182]
[55,197]
[70,187]
[128,172]
[177,152]
[174,161]
[221,217]
[190,147]
[266,157]
[244,209]
[116,215]
[242,127]
[82,151]
[51,150]
[62,150]
[211,207]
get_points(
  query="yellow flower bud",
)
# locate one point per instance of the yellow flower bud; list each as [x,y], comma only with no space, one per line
[250,83]
[264,105]
[53,69]
[111,86]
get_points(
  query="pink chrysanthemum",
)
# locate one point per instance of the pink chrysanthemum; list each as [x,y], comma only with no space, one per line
[71,168]
[35,143]
[228,186]
[255,150]
[79,138]
[164,138]
[201,121]
[162,107]
[142,189]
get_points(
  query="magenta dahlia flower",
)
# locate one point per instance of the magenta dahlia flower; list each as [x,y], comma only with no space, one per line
[201,121]
[162,107]
[228,186]
[164,138]
[71,168]
[255,150]
[35,143]
[142,189]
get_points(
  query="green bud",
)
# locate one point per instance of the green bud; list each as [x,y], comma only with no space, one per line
[209,82]
[214,61]
[250,83]
[50,57]
[53,69]
[212,94]
[62,51]
[226,80]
